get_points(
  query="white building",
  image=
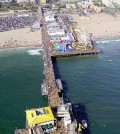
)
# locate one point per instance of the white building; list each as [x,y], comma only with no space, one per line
[56,32]
[63,111]
[85,4]
[110,3]
[69,1]
[67,120]
[21,1]
[5,1]
[49,18]
[116,2]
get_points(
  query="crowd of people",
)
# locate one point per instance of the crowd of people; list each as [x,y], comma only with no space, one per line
[17,22]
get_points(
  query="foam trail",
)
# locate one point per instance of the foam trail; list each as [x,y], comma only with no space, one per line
[34,52]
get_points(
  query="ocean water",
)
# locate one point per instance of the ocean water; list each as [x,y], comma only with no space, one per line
[21,75]
[92,81]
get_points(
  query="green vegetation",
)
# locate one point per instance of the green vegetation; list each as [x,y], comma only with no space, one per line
[4,9]
[16,7]
[117,7]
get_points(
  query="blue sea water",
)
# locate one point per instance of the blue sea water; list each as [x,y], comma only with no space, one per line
[21,75]
[93,81]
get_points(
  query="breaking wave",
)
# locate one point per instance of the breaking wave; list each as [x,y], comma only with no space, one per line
[104,41]
[107,41]
[34,52]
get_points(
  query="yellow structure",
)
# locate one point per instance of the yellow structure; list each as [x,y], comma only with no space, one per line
[40,116]
[97,9]
[80,127]
[43,1]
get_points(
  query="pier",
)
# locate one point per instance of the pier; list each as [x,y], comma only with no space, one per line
[53,97]
[52,87]
[76,53]
[50,82]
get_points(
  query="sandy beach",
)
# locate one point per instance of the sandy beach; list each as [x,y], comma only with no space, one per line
[102,26]
[20,38]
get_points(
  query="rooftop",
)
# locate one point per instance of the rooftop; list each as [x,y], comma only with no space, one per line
[38,116]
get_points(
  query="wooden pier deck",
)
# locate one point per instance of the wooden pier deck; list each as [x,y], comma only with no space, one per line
[95,50]
[53,97]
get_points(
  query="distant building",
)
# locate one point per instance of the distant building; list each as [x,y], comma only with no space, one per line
[116,2]
[2,1]
[110,3]
[85,4]
[43,1]
[68,1]
[21,1]
[107,2]
[5,3]
[68,6]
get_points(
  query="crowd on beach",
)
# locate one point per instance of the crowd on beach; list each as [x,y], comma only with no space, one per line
[17,22]
[13,43]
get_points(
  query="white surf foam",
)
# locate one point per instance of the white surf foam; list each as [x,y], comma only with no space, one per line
[107,41]
[103,41]
[34,52]
[116,40]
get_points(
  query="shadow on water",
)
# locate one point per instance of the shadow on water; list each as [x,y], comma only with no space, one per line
[79,110]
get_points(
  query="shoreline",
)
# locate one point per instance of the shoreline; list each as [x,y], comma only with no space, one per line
[102,29]
[106,38]
[41,46]
[100,26]
[21,38]
[31,47]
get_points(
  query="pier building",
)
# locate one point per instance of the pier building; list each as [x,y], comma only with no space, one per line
[42,116]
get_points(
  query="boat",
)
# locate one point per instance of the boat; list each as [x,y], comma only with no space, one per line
[80,116]
[84,123]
